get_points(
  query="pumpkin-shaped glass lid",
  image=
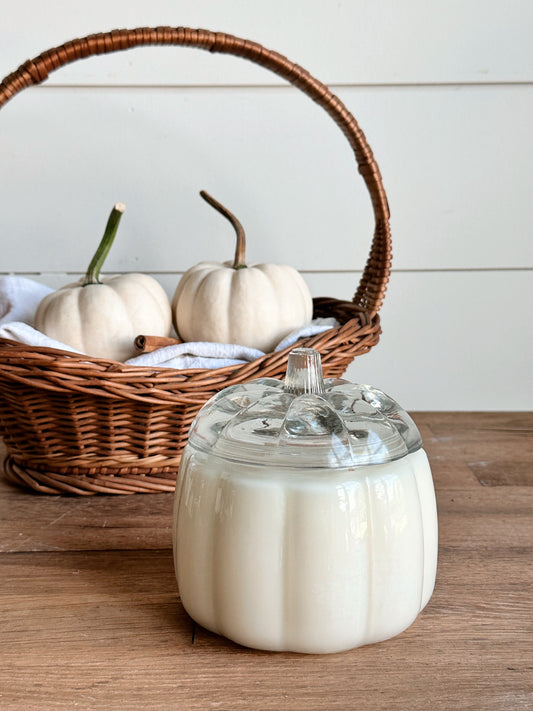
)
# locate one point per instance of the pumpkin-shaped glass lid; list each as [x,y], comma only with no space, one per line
[304,421]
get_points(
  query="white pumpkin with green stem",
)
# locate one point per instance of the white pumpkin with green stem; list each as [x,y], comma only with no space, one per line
[101,317]
[254,305]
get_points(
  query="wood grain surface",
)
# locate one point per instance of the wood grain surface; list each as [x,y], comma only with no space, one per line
[90,615]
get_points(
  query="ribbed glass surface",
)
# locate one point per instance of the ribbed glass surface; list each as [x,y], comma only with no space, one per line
[305,422]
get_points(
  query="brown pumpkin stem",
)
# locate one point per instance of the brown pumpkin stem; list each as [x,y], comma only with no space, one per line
[240,249]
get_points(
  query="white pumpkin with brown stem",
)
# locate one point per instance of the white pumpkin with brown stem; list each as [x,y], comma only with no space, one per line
[102,317]
[254,305]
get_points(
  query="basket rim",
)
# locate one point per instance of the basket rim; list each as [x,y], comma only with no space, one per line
[57,370]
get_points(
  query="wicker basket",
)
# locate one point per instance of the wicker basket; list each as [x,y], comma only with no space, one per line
[84,427]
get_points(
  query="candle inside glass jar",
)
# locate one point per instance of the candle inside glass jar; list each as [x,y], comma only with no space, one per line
[305,516]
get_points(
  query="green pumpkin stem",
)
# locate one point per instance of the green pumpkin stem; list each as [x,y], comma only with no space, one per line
[240,249]
[93,272]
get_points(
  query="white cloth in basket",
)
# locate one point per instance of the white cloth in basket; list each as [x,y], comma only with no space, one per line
[19,298]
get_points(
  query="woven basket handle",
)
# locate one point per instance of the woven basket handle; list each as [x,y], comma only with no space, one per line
[373,284]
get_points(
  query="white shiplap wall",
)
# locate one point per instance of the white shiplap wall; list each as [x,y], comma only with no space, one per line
[444,93]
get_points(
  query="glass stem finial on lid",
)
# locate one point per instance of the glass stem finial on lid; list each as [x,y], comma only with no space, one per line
[304,372]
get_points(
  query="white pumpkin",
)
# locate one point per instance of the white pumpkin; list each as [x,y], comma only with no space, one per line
[255,305]
[101,318]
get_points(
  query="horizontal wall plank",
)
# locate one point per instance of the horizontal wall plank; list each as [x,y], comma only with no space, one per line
[451,340]
[457,165]
[454,341]
[353,42]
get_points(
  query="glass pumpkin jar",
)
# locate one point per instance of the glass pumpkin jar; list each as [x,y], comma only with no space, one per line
[304,516]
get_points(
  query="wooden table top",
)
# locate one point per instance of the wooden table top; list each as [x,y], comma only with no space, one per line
[90,615]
